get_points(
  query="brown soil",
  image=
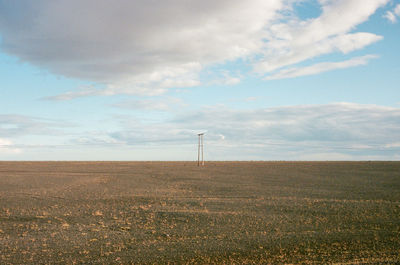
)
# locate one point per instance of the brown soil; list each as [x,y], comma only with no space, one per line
[176,212]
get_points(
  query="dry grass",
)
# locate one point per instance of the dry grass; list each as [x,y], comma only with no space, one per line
[176,212]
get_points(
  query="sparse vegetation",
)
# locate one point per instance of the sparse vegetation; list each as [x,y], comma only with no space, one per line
[176,212]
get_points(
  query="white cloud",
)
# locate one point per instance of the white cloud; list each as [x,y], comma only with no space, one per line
[138,48]
[7,147]
[344,43]
[250,99]
[320,68]
[297,41]
[334,156]
[163,104]
[393,145]
[224,77]
[338,17]
[96,139]
[392,15]
[343,130]
[319,132]
[19,125]
[111,90]
[81,92]
[133,46]
[230,80]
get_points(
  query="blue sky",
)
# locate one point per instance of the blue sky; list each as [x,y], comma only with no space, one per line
[266,80]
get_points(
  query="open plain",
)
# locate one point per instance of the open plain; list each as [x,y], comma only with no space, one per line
[176,212]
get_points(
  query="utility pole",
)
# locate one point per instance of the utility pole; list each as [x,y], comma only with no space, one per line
[200,150]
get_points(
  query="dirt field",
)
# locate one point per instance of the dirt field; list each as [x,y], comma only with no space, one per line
[176,212]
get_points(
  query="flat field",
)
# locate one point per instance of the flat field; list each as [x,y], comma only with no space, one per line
[176,212]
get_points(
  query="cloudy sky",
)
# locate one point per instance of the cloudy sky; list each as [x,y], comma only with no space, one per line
[138,79]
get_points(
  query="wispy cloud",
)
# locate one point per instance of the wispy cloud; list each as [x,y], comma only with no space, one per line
[317,132]
[19,125]
[298,41]
[320,68]
[162,104]
[393,14]
[345,43]
[224,77]
[81,92]
[349,129]
[7,146]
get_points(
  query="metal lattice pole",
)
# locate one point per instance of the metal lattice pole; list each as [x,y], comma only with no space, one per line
[200,150]
[198,153]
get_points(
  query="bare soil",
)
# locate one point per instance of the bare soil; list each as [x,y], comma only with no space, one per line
[178,213]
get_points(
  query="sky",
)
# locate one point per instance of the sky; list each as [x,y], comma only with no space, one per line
[138,79]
